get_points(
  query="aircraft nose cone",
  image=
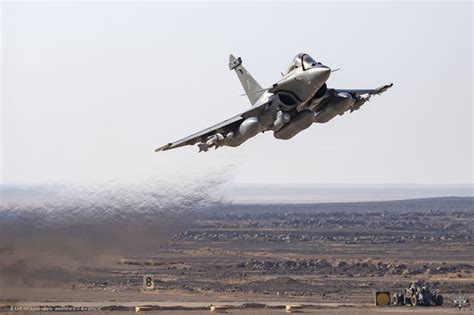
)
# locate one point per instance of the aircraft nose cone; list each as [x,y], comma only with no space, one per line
[320,74]
[325,72]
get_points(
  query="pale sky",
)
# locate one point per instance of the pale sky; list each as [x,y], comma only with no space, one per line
[89,90]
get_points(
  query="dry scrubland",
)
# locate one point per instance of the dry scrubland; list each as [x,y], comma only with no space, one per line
[309,254]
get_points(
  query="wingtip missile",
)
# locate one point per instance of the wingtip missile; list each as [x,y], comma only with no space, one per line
[383,88]
[163,148]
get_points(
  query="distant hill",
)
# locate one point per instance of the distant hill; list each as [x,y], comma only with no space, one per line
[317,193]
[446,204]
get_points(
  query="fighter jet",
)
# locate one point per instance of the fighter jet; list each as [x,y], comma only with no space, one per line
[299,99]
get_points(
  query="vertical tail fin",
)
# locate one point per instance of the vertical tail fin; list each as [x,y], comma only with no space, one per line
[251,87]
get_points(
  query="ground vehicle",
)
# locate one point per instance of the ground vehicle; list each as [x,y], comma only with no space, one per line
[417,294]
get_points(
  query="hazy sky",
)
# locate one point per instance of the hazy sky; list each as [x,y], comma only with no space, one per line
[90,90]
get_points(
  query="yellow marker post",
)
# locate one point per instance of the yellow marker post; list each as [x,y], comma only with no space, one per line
[143,308]
[293,308]
[217,308]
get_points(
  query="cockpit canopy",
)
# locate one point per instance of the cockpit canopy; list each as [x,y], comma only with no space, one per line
[302,61]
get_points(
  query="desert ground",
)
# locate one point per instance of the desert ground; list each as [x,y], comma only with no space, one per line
[256,259]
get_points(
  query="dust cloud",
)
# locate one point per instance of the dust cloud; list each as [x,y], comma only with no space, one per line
[66,232]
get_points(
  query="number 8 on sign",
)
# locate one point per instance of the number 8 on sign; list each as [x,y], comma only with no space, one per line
[148,282]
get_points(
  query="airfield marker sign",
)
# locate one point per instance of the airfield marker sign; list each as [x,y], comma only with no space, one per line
[382,298]
[148,282]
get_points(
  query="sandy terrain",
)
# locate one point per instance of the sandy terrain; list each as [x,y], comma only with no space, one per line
[330,256]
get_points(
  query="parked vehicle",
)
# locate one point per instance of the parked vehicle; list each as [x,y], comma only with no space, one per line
[416,294]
